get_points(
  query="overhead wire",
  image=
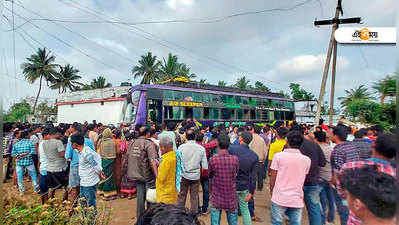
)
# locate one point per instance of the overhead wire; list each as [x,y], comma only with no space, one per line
[65,42]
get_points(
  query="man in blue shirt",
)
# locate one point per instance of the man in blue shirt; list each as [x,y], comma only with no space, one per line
[246,173]
[22,151]
[72,156]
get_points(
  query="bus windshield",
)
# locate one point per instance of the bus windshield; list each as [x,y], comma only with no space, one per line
[131,107]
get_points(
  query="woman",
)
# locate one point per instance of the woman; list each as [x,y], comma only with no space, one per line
[118,160]
[128,187]
[106,148]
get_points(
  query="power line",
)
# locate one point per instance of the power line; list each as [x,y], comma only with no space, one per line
[201,20]
[64,42]
[79,34]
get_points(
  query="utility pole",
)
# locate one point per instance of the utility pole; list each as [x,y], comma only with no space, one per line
[332,46]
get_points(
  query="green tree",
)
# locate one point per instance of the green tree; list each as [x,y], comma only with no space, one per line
[66,79]
[169,68]
[354,94]
[39,66]
[367,111]
[386,86]
[259,86]
[44,108]
[17,112]
[222,83]
[242,83]
[100,82]
[299,93]
[184,71]
[148,69]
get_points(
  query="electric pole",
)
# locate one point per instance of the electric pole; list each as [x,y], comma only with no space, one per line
[331,47]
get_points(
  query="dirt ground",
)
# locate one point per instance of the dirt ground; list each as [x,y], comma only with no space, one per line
[124,210]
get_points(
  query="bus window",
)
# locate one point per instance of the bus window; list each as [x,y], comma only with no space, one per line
[271,115]
[216,99]
[246,114]
[206,113]
[215,113]
[238,100]
[188,113]
[289,115]
[177,113]
[207,98]
[244,100]
[278,115]
[228,99]
[253,114]
[131,107]
[240,114]
[197,113]
[197,97]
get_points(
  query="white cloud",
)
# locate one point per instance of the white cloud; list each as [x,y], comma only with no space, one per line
[308,63]
[112,44]
[174,4]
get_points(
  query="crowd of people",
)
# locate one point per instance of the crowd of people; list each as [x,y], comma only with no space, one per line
[325,169]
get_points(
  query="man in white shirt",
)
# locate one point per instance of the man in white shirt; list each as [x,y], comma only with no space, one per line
[90,170]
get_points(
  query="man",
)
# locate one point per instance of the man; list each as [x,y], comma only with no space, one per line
[90,170]
[141,158]
[288,173]
[36,137]
[278,145]
[233,134]
[169,132]
[166,180]
[361,143]
[311,188]
[43,184]
[204,178]
[383,152]
[371,194]
[194,158]
[326,191]
[56,164]
[223,169]
[22,151]
[342,153]
[246,183]
[71,155]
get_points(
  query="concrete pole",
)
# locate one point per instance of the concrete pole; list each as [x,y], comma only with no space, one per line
[333,71]
[326,68]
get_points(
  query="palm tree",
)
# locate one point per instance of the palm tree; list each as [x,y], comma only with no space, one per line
[359,93]
[222,83]
[40,65]
[242,83]
[169,68]
[66,79]
[259,86]
[99,82]
[184,71]
[202,81]
[148,68]
[386,87]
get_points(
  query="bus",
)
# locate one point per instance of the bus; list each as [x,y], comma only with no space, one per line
[209,105]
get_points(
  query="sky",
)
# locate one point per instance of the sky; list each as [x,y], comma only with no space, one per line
[276,47]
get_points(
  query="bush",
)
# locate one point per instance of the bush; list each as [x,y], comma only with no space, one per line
[19,211]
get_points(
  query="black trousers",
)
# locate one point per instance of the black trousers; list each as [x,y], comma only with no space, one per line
[260,174]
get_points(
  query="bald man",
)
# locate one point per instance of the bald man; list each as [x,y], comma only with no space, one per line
[166,180]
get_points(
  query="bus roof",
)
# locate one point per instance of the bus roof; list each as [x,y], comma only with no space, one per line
[211,89]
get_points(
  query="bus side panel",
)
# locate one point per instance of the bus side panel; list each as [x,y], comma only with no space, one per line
[141,116]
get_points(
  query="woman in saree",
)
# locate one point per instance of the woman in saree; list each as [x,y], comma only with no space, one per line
[106,148]
[118,161]
[128,186]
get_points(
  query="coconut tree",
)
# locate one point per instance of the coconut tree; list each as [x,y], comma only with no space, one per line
[169,68]
[242,83]
[184,71]
[355,94]
[66,79]
[148,69]
[386,87]
[222,83]
[259,86]
[39,66]
[100,82]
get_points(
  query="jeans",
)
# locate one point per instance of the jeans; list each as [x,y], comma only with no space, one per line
[20,177]
[265,168]
[251,207]
[205,194]
[192,186]
[312,202]
[246,217]
[342,207]
[277,214]
[260,174]
[327,199]
[89,193]
[216,214]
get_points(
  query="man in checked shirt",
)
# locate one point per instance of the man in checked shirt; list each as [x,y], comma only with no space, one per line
[223,170]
